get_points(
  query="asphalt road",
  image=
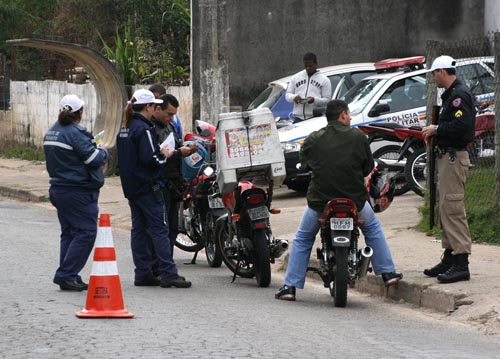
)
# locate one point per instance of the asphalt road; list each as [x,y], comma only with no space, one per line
[213,319]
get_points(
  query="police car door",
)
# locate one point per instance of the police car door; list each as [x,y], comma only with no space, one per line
[402,102]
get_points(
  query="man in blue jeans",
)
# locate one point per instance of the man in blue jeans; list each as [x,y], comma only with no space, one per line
[333,178]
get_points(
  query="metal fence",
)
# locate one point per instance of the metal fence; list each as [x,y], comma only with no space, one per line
[482,75]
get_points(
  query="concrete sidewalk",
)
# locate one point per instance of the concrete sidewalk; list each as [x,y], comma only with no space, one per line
[475,302]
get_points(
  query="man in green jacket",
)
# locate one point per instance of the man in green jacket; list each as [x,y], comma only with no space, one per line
[339,158]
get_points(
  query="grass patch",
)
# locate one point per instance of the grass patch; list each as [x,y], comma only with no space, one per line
[23,151]
[480,205]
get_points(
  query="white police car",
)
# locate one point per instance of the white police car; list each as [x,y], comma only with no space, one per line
[396,94]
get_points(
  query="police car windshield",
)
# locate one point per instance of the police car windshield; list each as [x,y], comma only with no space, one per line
[359,96]
[267,98]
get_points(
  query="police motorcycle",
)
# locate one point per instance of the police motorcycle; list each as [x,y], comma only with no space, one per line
[247,173]
[200,206]
[341,261]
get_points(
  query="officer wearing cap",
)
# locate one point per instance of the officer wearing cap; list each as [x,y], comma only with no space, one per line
[140,160]
[454,131]
[74,164]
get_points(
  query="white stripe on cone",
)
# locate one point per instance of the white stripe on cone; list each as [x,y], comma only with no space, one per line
[104,238]
[104,268]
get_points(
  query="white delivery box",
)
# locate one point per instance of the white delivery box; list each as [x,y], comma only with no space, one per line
[247,143]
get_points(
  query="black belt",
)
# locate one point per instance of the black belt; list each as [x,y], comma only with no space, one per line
[442,149]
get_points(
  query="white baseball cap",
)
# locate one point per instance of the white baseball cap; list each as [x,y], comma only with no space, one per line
[144,96]
[443,62]
[71,103]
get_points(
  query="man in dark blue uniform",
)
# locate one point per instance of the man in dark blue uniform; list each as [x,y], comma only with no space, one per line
[455,130]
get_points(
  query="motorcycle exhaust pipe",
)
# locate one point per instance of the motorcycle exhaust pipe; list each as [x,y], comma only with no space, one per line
[364,262]
[278,247]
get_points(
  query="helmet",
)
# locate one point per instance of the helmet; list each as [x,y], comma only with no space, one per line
[192,164]
[381,186]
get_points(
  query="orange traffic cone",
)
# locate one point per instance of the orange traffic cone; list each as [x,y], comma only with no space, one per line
[104,296]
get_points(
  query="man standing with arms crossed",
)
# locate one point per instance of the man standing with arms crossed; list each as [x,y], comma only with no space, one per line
[308,89]
[455,130]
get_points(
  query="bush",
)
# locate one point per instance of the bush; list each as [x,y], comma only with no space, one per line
[22,151]
[480,205]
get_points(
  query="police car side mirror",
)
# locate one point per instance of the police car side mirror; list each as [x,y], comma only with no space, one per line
[379,109]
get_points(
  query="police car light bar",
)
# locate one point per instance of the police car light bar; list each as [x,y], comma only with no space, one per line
[392,64]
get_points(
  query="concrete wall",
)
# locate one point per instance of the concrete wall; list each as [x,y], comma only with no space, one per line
[491,15]
[267,38]
[35,107]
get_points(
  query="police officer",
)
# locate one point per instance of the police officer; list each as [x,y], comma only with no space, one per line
[140,160]
[163,117]
[454,131]
[74,164]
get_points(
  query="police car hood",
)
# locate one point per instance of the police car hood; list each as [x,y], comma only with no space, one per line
[298,132]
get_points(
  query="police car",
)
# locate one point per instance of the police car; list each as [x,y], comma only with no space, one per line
[395,94]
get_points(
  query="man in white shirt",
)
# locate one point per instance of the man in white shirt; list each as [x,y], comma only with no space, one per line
[308,89]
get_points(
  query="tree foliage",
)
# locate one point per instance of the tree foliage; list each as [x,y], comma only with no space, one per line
[157,30]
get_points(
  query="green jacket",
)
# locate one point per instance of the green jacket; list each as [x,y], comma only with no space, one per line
[339,158]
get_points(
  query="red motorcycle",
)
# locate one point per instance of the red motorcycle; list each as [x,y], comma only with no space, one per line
[200,206]
[341,263]
[410,158]
[244,234]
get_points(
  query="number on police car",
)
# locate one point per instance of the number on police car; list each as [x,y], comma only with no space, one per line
[341,224]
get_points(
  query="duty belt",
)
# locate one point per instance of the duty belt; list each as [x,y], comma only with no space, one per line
[440,151]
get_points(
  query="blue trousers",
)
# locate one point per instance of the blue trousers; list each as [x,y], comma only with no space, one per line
[150,230]
[304,240]
[77,212]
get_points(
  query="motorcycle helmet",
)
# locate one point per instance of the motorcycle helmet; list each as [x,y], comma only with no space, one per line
[192,164]
[381,186]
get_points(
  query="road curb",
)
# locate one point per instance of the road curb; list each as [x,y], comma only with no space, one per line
[414,289]
[23,195]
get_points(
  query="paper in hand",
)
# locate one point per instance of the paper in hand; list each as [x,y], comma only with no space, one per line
[169,142]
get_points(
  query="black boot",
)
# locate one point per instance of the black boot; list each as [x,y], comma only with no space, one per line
[441,267]
[458,271]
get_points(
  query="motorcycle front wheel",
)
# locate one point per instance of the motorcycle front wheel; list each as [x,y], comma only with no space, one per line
[262,260]
[338,290]
[229,253]
[416,171]
[390,154]
[186,243]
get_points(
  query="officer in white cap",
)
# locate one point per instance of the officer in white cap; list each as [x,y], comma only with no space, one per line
[454,131]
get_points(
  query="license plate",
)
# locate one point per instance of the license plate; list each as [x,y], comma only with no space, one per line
[258,213]
[341,224]
[215,202]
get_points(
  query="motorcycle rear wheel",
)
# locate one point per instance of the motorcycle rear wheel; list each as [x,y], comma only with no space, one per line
[230,254]
[262,258]
[212,251]
[339,289]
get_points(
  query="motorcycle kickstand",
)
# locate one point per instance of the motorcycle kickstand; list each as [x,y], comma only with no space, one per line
[193,260]
[236,271]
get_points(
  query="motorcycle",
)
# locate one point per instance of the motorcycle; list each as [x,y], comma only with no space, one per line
[244,234]
[200,206]
[341,263]
[410,158]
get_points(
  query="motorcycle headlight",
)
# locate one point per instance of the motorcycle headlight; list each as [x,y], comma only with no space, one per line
[290,147]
